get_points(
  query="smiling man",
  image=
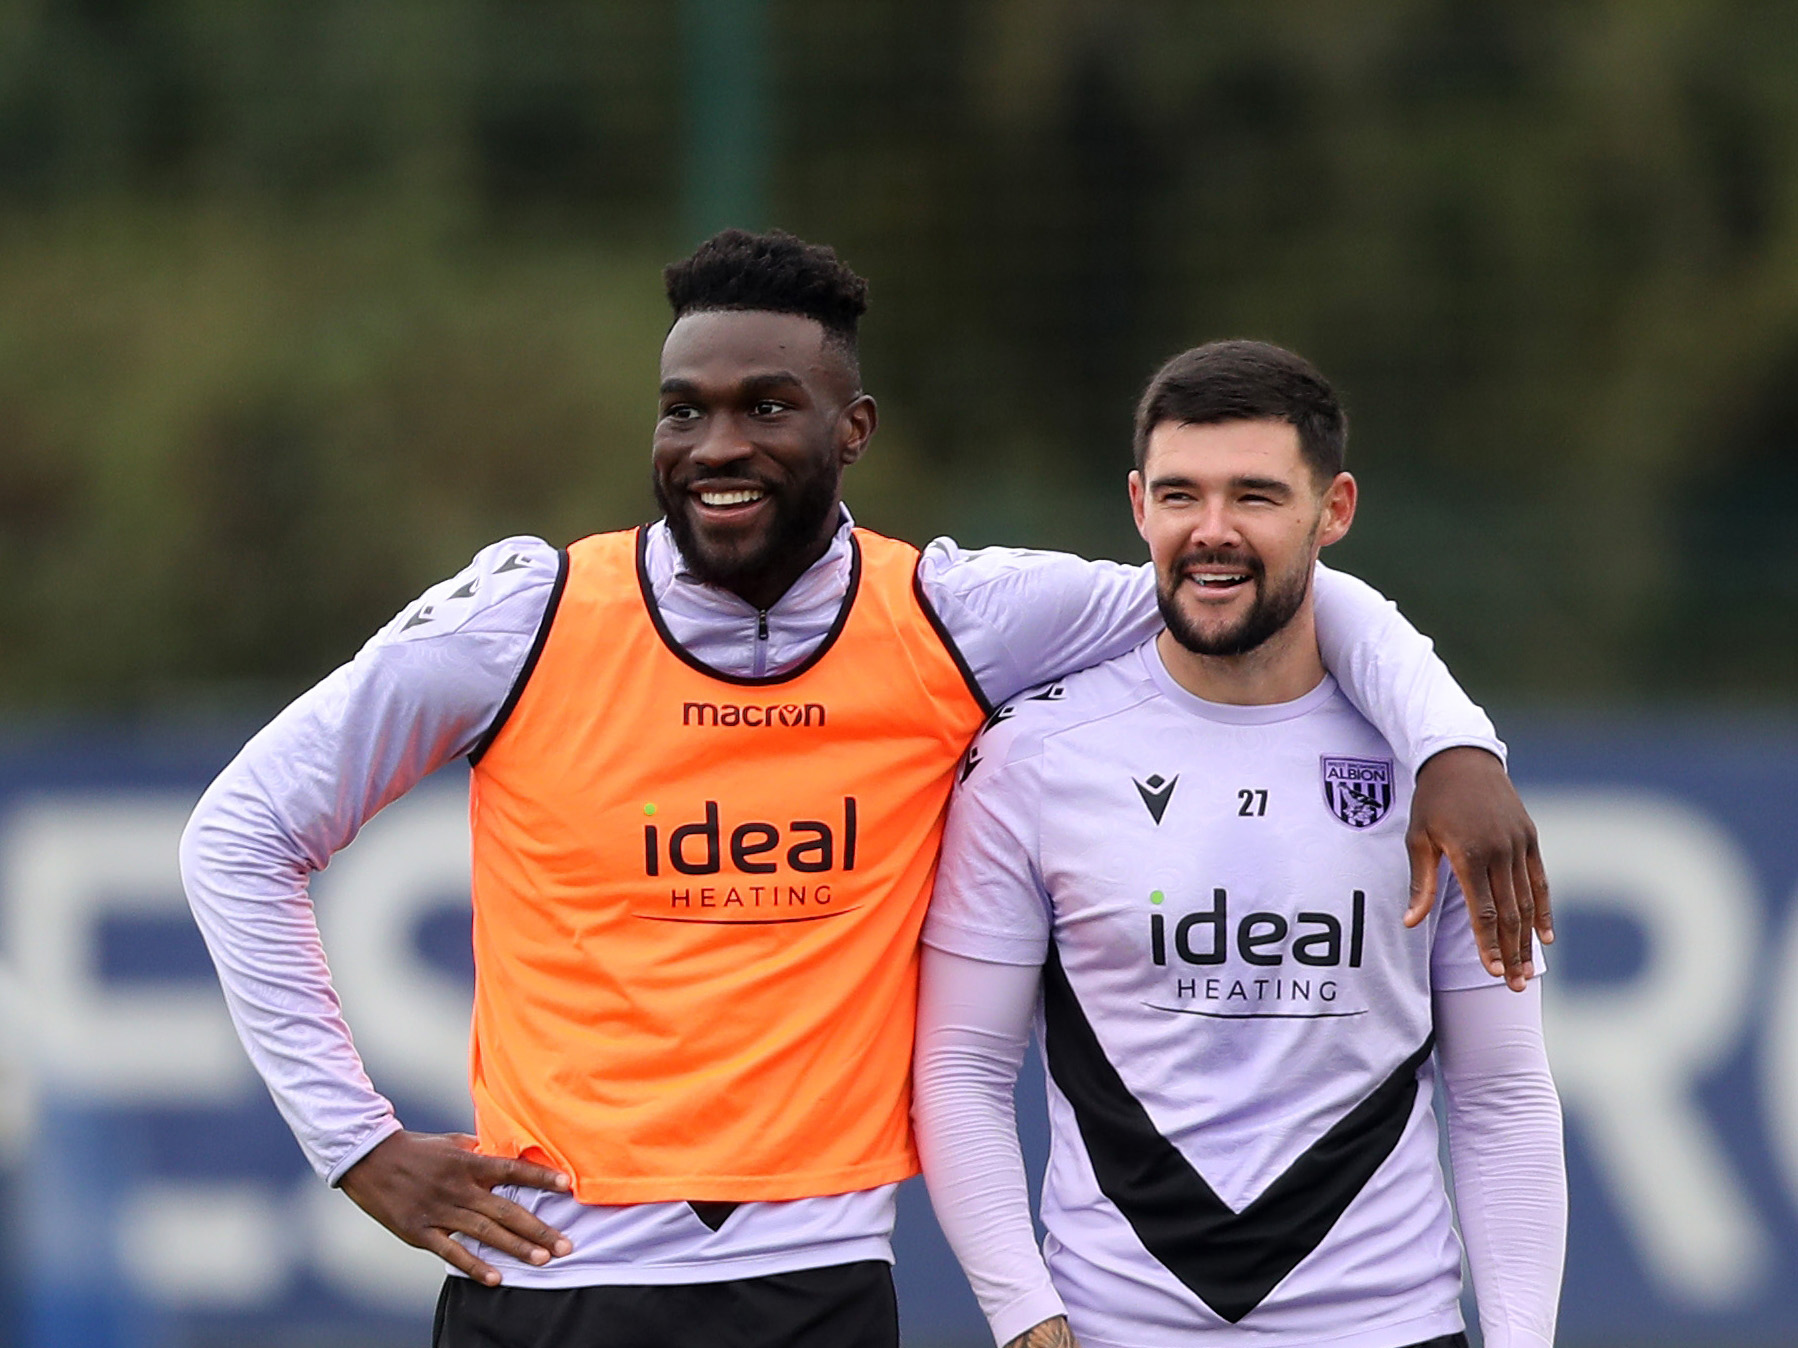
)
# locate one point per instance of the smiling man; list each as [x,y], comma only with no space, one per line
[710,759]
[1193,862]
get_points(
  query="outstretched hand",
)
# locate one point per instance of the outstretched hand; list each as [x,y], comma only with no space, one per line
[426,1187]
[1466,809]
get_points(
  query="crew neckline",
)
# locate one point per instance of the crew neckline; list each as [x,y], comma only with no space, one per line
[1230,713]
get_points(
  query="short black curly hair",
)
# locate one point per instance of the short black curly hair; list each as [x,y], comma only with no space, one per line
[774,272]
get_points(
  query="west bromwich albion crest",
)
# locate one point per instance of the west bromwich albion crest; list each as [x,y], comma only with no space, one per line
[1358,790]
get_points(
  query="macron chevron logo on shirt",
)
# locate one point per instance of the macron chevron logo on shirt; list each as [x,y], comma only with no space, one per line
[1156,792]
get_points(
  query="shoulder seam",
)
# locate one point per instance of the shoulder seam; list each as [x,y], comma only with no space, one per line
[1105,714]
[942,633]
[473,620]
[1083,718]
[530,661]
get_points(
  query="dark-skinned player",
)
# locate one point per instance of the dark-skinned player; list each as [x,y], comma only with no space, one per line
[710,759]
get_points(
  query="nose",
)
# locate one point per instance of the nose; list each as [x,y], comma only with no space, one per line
[1213,525]
[723,442]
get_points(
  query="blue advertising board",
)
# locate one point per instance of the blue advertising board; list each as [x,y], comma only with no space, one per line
[156,1198]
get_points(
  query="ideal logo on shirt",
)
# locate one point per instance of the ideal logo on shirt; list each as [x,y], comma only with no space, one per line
[1265,939]
[1313,939]
[712,845]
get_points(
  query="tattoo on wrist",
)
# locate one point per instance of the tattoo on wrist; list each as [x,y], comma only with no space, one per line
[1049,1334]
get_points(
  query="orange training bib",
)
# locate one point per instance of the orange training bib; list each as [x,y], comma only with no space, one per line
[697,898]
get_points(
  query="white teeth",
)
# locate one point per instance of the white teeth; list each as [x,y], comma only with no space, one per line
[730,498]
[1220,580]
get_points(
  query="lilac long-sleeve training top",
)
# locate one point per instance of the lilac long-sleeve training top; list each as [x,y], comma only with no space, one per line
[427,686]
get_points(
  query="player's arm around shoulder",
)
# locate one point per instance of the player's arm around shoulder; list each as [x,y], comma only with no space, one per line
[1465,807]
[1022,616]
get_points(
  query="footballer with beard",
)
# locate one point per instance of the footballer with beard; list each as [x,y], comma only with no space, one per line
[1188,874]
[710,758]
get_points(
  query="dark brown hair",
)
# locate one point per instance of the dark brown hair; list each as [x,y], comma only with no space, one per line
[1247,381]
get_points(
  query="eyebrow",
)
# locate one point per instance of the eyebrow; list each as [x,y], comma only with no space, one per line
[774,379]
[766,382]
[1266,484]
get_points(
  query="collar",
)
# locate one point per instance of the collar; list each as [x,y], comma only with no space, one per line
[1229,713]
[823,583]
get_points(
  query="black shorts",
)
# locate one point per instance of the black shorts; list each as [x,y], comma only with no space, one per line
[844,1306]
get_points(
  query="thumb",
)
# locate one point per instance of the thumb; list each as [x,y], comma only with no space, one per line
[1426,866]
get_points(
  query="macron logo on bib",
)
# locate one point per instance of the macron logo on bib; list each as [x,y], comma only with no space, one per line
[790,714]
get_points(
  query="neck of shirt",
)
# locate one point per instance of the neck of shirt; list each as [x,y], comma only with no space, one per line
[724,631]
[1230,713]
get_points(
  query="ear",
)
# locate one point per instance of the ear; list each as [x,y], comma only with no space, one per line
[1137,502]
[859,420]
[1339,509]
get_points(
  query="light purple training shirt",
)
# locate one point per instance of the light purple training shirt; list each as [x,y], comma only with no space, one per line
[428,685]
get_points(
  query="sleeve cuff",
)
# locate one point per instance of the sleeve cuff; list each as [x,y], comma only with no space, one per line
[389,1126]
[1435,744]
[1025,1313]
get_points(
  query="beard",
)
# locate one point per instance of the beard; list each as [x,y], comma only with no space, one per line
[1275,605]
[800,511]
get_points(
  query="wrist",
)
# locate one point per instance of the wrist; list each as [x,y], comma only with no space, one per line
[1052,1333]
[360,1149]
[1460,750]
[1024,1313]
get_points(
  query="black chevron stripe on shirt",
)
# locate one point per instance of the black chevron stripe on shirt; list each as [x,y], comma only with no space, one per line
[1230,1260]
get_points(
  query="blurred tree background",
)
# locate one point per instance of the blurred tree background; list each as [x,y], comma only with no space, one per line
[302,301]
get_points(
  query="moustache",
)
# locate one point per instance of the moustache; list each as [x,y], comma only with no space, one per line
[1248,561]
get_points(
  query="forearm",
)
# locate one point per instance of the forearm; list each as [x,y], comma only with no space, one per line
[247,856]
[418,695]
[1504,1134]
[1391,672]
[247,889]
[973,1029]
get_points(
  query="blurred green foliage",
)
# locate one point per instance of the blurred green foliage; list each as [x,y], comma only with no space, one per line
[301,303]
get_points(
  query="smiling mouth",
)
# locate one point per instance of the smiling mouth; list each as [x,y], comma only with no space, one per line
[1218,583]
[740,496]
